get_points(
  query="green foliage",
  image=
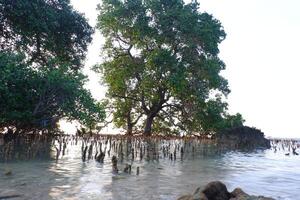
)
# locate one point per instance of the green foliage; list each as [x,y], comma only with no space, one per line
[42,46]
[36,99]
[43,29]
[162,58]
[232,121]
[214,117]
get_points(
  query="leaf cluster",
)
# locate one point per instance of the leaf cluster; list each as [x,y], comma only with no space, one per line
[162,60]
[43,29]
[38,98]
[42,46]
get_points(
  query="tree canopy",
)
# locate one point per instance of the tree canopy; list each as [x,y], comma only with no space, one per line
[44,28]
[162,62]
[42,46]
[37,99]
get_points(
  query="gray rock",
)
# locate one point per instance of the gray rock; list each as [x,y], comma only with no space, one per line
[239,194]
[242,138]
[198,195]
[218,191]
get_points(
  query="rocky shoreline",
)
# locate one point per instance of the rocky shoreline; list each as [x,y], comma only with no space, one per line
[243,137]
[218,191]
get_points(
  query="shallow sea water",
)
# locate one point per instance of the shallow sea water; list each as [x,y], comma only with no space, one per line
[262,172]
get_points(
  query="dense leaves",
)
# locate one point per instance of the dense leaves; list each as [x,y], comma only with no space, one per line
[36,99]
[162,61]
[43,29]
[42,46]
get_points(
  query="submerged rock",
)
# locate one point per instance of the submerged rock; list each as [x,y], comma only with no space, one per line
[239,194]
[242,137]
[8,172]
[217,191]
[10,194]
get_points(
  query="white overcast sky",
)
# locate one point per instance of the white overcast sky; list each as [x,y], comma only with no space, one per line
[261,53]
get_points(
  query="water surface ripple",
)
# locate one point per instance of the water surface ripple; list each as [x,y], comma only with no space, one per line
[260,173]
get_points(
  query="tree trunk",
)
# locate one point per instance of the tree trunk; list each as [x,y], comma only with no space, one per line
[129,129]
[148,126]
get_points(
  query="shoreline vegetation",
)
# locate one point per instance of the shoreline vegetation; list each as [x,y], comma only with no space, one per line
[161,75]
[126,151]
[97,146]
[162,70]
